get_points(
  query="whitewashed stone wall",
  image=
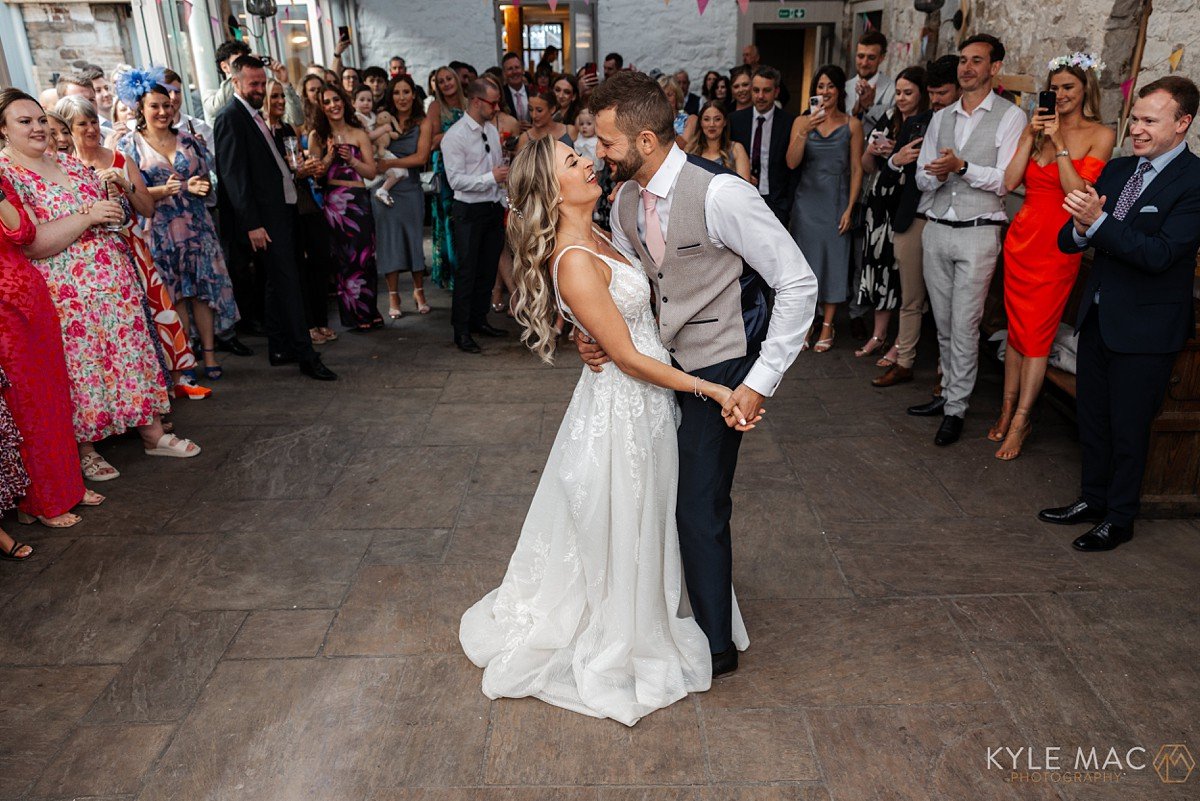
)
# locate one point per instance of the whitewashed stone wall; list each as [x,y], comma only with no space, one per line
[647,33]
[63,37]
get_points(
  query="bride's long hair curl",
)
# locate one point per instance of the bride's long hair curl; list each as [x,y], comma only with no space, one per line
[533,198]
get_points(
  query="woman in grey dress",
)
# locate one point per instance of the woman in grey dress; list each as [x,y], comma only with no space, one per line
[827,147]
[399,228]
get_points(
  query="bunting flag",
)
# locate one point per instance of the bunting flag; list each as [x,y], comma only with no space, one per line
[553,5]
[743,5]
[702,4]
[1126,87]
[1175,58]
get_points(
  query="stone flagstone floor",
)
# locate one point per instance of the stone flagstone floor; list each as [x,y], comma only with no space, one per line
[276,619]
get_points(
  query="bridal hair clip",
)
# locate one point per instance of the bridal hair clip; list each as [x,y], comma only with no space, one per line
[517,212]
[132,85]
[1085,61]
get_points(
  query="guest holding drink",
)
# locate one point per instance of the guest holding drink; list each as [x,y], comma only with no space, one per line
[1063,149]
[399,225]
[348,158]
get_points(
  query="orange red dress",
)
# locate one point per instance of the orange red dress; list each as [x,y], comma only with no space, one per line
[1038,276]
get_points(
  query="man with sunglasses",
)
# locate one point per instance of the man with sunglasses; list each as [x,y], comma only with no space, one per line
[476,170]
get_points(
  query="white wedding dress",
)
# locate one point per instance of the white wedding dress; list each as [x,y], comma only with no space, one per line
[592,614]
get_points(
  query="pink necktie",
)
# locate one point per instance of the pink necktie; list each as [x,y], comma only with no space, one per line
[655,244]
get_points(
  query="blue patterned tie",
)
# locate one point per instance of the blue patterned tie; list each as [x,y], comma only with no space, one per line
[1133,188]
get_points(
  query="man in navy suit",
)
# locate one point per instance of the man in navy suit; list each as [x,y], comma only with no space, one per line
[764,131]
[1143,219]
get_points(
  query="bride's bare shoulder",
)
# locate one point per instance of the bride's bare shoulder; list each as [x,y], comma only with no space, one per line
[578,267]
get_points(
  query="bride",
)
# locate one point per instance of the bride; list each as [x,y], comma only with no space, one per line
[592,614]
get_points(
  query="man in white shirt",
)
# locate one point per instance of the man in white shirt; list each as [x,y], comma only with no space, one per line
[475,169]
[963,157]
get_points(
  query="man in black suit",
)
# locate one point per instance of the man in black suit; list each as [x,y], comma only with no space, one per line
[1143,219]
[516,94]
[258,200]
[764,130]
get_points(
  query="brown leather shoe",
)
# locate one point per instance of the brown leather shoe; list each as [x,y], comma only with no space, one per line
[895,375]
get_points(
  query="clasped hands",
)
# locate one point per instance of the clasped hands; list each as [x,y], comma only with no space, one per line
[1084,206]
[946,163]
[732,401]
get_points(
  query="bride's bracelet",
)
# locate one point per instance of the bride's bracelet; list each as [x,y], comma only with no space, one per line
[696,390]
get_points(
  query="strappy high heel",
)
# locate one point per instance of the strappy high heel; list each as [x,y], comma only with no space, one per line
[823,345]
[995,434]
[419,299]
[1023,431]
[868,349]
[394,310]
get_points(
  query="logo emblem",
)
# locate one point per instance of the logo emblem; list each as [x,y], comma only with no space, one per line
[1174,763]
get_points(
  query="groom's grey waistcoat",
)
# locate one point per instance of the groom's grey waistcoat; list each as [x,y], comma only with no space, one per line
[700,288]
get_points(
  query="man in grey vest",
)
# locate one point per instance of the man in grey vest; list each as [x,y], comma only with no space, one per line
[963,157]
[712,249]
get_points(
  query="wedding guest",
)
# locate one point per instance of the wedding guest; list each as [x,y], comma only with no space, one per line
[227,52]
[721,94]
[741,91]
[447,108]
[111,168]
[466,73]
[475,171]
[908,224]
[350,81]
[13,479]
[508,125]
[397,66]
[541,111]
[510,135]
[39,396]
[399,225]
[542,80]
[764,132]
[1137,309]
[1059,152]
[826,148]
[183,239]
[200,130]
[116,379]
[258,197]
[344,147]
[516,96]
[963,158]
[75,83]
[377,79]
[879,287]
[685,123]
[714,143]
[123,119]
[706,87]
[104,101]
[60,133]
[613,63]
[870,95]
[691,102]
[312,242]
[566,100]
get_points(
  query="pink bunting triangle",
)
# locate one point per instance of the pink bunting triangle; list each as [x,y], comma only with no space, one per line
[553,5]
[743,5]
[702,4]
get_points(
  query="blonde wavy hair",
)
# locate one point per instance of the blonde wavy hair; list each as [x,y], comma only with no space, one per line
[533,197]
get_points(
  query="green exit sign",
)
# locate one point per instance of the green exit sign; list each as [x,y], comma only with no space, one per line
[791,13]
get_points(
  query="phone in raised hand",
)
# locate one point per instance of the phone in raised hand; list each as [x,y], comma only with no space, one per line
[815,105]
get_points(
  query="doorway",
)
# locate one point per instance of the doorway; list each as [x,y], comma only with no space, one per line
[784,49]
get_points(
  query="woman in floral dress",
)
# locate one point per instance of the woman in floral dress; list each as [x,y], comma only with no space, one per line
[183,239]
[345,149]
[13,480]
[446,110]
[116,379]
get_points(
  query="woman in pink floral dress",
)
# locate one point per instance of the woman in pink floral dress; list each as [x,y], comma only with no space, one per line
[116,377]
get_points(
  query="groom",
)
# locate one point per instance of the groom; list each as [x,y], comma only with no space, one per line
[712,249]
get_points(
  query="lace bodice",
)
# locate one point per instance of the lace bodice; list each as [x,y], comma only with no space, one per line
[630,291]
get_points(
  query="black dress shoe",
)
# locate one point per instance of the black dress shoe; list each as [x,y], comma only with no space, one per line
[725,662]
[232,345]
[931,409]
[466,344]
[315,368]
[488,330]
[1103,537]
[949,431]
[1078,512]
[280,359]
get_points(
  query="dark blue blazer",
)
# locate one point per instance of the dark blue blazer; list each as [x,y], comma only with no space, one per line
[781,179]
[1144,265]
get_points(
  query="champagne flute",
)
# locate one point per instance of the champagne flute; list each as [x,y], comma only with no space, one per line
[117,226]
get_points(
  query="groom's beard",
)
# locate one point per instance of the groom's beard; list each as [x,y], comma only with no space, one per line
[625,170]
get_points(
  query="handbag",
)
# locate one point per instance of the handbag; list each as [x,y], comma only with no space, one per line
[431,182]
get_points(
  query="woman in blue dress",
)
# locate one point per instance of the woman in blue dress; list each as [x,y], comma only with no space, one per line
[446,110]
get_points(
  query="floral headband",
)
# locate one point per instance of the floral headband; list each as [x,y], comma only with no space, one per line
[1084,61]
[131,85]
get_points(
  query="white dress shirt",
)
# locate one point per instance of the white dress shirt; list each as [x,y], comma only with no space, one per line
[885,98]
[739,219]
[1157,165]
[764,174]
[469,164]
[989,179]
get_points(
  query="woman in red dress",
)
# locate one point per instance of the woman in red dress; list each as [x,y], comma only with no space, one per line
[1058,153]
[39,394]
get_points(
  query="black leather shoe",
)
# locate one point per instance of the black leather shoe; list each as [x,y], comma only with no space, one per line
[466,344]
[232,345]
[725,662]
[1078,512]
[1103,537]
[280,359]
[949,431]
[489,331]
[315,368]
[931,409]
